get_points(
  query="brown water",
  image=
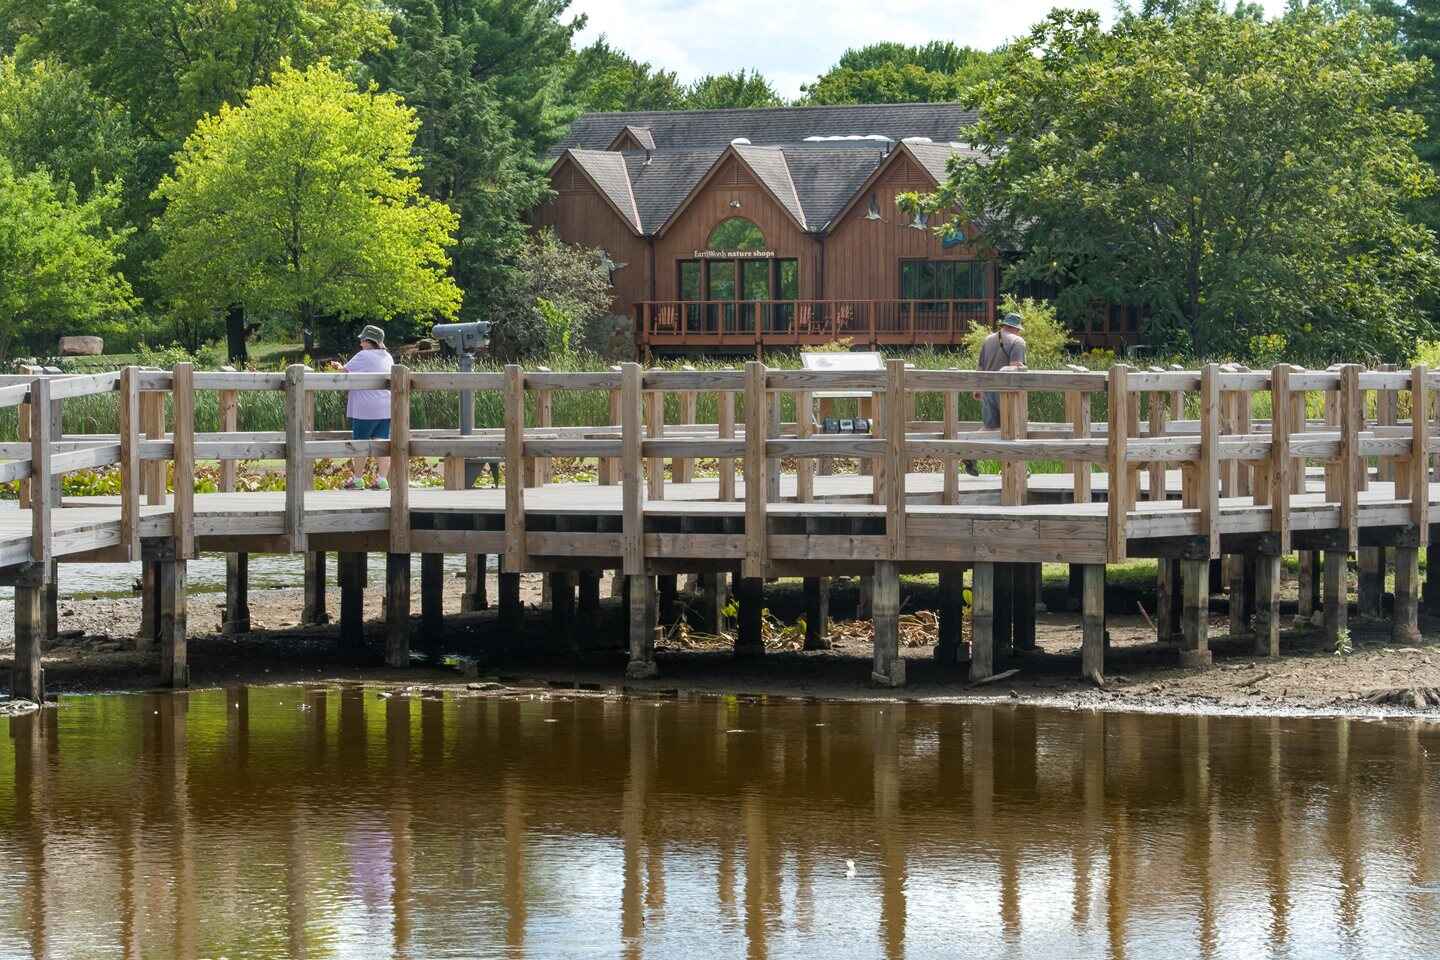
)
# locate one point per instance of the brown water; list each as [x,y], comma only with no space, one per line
[281,822]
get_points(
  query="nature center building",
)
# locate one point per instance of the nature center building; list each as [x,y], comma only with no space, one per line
[751,228]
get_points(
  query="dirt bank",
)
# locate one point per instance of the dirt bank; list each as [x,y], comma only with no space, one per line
[95,654]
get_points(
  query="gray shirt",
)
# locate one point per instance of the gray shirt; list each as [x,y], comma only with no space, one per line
[1001,349]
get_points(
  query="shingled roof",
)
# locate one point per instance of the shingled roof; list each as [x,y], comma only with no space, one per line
[694,129]
[814,160]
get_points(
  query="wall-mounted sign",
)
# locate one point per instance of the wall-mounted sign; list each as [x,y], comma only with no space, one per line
[734,254]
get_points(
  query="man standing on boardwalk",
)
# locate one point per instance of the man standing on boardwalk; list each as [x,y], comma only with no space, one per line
[369,410]
[1002,350]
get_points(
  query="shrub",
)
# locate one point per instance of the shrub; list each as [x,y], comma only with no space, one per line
[1045,336]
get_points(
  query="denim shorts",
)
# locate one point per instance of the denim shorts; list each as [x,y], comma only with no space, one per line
[369,429]
[990,410]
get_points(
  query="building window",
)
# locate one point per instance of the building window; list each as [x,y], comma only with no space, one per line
[944,280]
[689,279]
[873,211]
[736,233]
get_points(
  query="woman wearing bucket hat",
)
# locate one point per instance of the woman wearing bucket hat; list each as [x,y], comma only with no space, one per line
[369,410]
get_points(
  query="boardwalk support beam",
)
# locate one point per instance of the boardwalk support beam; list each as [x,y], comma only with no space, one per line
[889,667]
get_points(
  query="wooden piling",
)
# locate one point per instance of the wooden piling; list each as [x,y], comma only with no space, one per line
[1308,584]
[709,615]
[1092,623]
[512,611]
[1406,624]
[667,587]
[888,668]
[950,647]
[149,633]
[1195,613]
[397,609]
[982,621]
[750,598]
[1239,625]
[432,601]
[1370,583]
[315,612]
[1267,605]
[1167,608]
[817,613]
[476,595]
[237,594]
[1004,610]
[642,615]
[562,610]
[351,572]
[1026,592]
[1336,601]
[27,674]
[174,666]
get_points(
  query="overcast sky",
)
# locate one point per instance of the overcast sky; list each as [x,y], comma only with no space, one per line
[793,41]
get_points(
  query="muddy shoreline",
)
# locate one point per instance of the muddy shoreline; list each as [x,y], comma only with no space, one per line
[95,654]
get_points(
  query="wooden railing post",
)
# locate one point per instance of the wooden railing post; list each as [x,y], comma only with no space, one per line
[756,421]
[1417,469]
[130,478]
[1209,469]
[516,558]
[1014,425]
[804,429]
[229,410]
[951,493]
[152,421]
[295,456]
[1077,411]
[632,471]
[726,431]
[1352,420]
[1280,482]
[655,427]
[400,459]
[1116,442]
[183,515]
[41,499]
[609,467]
[682,469]
[896,463]
[538,468]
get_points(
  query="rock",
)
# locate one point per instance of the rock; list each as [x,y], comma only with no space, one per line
[81,346]
[485,685]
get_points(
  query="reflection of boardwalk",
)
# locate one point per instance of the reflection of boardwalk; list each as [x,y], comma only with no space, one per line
[282,822]
[1200,477]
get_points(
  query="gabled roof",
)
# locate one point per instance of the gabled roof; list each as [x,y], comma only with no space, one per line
[606,170]
[695,129]
[933,158]
[815,183]
[642,137]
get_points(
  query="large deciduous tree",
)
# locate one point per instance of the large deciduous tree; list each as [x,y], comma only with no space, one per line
[57,263]
[304,202]
[1240,179]
[896,73]
[171,62]
[483,78]
[742,88]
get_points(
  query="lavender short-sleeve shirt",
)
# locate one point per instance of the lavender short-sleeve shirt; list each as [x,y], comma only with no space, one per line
[369,404]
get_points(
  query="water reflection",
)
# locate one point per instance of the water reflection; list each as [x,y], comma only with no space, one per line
[317,822]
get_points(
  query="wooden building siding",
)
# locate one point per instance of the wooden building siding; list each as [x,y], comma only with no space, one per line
[862,256]
[580,214]
[690,231]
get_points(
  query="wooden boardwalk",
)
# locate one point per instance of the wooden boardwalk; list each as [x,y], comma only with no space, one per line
[1180,470]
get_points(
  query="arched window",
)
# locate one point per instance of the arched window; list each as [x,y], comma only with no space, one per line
[736,233]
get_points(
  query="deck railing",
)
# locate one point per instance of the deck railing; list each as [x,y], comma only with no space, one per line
[799,322]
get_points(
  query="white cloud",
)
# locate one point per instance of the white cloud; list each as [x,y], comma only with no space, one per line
[792,43]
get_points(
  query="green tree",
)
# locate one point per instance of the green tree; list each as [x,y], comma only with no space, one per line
[1238,178]
[474,156]
[57,263]
[601,78]
[171,62]
[1417,25]
[742,88]
[555,296]
[895,73]
[304,203]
